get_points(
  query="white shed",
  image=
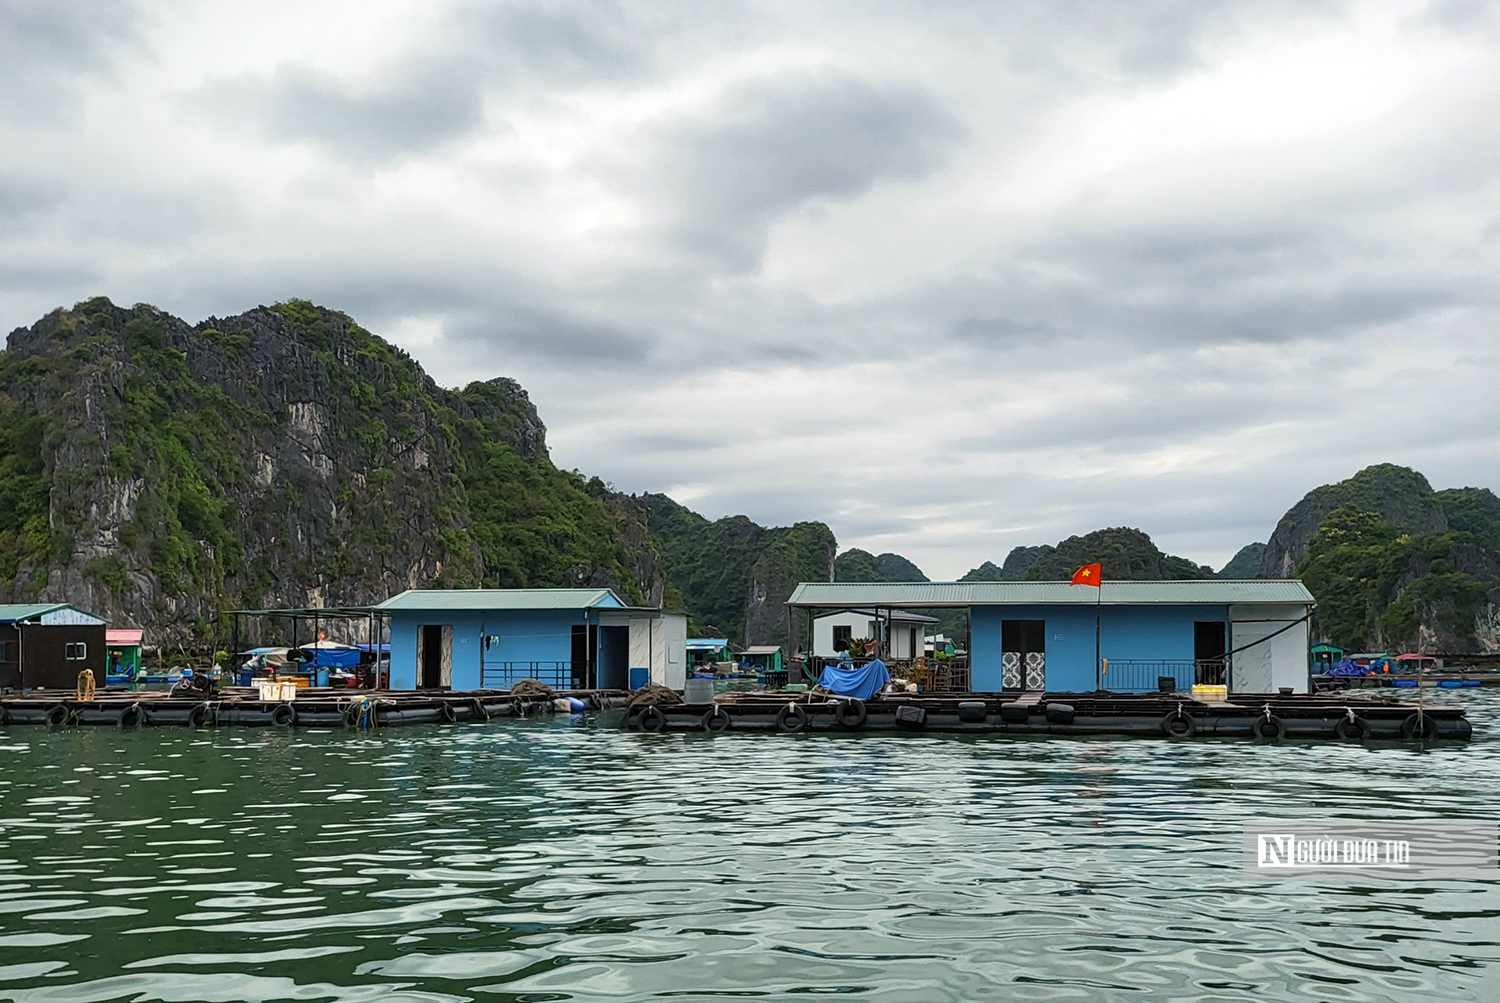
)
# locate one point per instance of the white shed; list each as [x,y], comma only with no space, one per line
[904,631]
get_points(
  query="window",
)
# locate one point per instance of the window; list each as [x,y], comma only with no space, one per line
[841,636]
[4,651]
[75,652]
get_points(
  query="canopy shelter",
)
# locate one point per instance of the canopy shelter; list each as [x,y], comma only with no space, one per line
[306,628]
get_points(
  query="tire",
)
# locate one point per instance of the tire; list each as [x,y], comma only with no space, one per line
[130,716]
[717,720]
[1179,724]
[791,718]
[57,715]
[1268,727]
[199,715]
[852,713]
[1419,726]
[445,711]
[4,716]
[284,716]
[481,712]
[652,719]
[1352,729]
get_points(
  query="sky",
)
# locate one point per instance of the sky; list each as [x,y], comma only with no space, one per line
[951,277]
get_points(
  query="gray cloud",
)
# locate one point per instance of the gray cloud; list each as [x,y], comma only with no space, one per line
[404,112]
[951,277]
[770,146]
[562,42]
[48,50]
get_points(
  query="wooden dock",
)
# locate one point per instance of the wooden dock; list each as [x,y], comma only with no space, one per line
[1267,718]
[319,708]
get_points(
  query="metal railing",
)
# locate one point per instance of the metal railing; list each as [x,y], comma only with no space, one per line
[501,675]
[1137,675]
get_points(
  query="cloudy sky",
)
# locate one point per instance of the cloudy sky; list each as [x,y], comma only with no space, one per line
[951,277]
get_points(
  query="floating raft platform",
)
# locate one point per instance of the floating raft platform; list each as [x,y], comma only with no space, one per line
[316,708]
[1264,717]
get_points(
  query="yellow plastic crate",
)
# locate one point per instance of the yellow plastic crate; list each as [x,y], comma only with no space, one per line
[1210,694]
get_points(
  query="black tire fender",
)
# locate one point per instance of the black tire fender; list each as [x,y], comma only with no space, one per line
[130,716]
[652,719]
[791,718]
[199,715]
[1179,724]
[852,713]
[445,711]
[57,715]
[284,716]
[717,720]
[481,712]
[1352,728]
[1269,727]
[1423,727]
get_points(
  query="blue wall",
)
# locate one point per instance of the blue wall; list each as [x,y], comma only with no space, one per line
[523,636]
[1126,633]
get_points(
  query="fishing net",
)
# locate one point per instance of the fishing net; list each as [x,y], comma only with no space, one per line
[530,688]
[654,694]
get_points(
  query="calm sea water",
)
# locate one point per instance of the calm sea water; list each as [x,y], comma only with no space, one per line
[559,860]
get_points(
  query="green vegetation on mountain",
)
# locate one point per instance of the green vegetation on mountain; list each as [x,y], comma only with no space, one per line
[1400,496]
[734,574]
[161,473]
[1472,510]
[1378,586]
[855,565]
[1245,564]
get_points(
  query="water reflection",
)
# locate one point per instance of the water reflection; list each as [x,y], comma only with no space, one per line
[544,860]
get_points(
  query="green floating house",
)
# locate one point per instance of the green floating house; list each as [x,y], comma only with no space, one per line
[1325,657]
[123,648]
[764,658]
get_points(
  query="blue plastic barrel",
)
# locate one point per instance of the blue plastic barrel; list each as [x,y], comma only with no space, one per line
[639,678]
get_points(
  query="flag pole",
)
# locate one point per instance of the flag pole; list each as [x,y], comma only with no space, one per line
[1098,606]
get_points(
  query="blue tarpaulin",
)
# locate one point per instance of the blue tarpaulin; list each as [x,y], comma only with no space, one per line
[863,682]
[331,657]
[1348,667]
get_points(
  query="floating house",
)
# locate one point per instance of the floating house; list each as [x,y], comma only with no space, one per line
[1325,657]
[48,644]
[703,651]
[904,633]
[467,639]
[123,651]
[1249,635]
[764,658]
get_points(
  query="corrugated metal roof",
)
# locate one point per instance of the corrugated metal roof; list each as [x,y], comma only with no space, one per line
[9,613]
[488,599]
[762,649]
[918,594]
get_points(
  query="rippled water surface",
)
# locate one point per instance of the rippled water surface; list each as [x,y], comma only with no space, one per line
[559,860]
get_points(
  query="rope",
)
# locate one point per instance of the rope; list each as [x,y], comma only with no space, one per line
[1263,640]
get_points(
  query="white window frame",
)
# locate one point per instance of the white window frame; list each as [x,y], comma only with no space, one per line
[80,646]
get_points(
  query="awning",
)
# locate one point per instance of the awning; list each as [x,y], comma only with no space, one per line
[122,638]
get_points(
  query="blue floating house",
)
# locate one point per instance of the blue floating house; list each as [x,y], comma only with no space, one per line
[1251,636]
[466,639]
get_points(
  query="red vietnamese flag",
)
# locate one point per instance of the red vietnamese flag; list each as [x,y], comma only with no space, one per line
[1089,574]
